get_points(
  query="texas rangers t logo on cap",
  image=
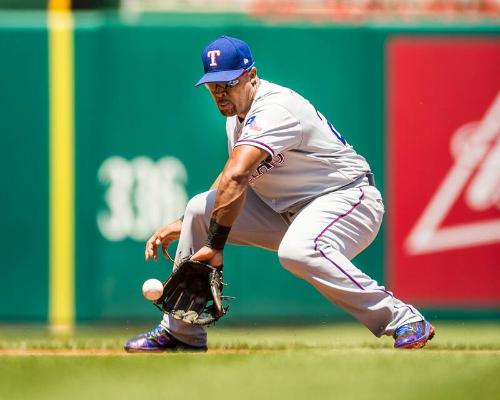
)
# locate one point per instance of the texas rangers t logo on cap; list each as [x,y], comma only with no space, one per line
[213,54]
[225,59]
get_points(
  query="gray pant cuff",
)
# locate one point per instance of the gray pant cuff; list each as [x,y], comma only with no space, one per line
[192,335]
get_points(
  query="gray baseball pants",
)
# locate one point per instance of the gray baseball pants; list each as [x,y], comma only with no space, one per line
[315,242]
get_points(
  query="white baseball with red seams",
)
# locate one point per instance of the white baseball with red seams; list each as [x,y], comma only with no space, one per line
[152,289]
[310,202]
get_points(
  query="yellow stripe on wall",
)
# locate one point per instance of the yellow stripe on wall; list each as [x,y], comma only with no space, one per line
[61,281]
[59,5]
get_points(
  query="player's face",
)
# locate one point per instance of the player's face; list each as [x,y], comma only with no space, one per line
[234,97]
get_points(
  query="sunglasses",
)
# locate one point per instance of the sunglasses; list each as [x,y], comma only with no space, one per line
[212,86]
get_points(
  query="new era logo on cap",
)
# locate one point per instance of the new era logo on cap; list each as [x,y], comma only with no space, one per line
[225,59]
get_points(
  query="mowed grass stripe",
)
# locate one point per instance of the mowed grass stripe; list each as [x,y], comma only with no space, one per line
[450,336]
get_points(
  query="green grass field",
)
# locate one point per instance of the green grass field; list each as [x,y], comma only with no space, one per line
[341,361]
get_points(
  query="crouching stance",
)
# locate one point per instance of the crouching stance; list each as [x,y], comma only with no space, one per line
[292,184]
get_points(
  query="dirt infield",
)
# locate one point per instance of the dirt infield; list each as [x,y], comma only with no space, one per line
[219,351]
[111,352]
[61,352]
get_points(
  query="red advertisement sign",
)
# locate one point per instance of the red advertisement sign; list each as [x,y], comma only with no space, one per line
[443,172]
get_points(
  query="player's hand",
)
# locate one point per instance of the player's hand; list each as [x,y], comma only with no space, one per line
[162,238]
[208,255]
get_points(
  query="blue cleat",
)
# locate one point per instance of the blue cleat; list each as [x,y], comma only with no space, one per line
[413,335]
[158,340]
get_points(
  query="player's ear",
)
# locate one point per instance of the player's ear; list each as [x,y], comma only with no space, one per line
[253,75]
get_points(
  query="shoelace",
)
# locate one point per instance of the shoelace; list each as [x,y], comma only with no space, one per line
[155,332]
[406,329]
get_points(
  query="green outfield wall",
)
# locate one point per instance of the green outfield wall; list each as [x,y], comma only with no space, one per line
[146,140]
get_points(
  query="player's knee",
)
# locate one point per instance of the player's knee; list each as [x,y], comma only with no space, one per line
[292,254]
[199,205]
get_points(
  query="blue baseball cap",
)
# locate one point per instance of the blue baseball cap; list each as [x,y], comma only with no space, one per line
[225,59]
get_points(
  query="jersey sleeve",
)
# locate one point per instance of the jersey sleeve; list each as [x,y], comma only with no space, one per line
[273,129]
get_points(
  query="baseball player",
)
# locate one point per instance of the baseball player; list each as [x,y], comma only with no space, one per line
[291,184]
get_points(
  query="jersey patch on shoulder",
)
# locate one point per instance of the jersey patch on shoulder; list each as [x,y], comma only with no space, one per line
[252,124]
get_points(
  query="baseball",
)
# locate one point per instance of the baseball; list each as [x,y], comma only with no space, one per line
[152,289]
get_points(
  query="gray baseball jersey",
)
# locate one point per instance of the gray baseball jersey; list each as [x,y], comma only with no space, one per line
[307,156]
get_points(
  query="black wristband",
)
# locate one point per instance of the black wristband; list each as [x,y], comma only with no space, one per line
[217,235]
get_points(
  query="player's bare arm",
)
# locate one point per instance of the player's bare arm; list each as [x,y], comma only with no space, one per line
[234,180]
[231,194]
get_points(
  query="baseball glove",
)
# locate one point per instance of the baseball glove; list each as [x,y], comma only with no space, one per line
[193,293]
